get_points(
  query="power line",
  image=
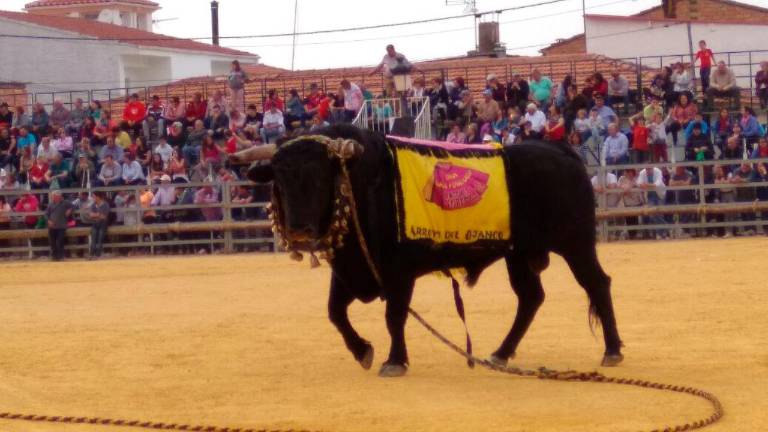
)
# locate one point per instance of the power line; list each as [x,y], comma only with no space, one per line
[306,33]
[52,83]
[594,37]
[454,30]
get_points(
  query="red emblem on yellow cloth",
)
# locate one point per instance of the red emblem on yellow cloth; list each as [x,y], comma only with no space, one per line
[453,187]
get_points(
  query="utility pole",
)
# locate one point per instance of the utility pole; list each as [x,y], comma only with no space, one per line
[693,13]
[295,22]
[584,16]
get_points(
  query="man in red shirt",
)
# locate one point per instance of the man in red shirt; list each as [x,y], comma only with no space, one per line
[134,113]
[196,109]
[706,59]
[324,107]
[28,204]
[312,102]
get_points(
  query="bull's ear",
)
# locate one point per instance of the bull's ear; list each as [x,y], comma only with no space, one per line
[260,172]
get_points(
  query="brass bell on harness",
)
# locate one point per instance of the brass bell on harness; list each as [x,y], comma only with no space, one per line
[296,256]
[313,261]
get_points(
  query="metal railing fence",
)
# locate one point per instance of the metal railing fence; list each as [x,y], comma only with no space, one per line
[638,70]
[380,114]
[698,206]
[236,224]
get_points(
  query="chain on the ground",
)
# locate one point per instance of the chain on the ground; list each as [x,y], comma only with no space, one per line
[541,373]
[596,377]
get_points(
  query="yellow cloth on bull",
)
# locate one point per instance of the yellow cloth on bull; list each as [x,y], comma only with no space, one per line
[458,195]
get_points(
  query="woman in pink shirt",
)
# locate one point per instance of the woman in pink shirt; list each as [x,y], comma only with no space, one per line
[210,152]
[63,143]
[456,136]
[682,114]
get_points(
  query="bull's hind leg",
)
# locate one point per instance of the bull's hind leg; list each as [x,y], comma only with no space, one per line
[338,303]
[527,285]
[590,275]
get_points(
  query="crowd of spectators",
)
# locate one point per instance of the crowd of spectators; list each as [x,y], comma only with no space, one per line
[624,126]
[162,145]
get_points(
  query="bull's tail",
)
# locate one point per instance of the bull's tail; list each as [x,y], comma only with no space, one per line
[593,318]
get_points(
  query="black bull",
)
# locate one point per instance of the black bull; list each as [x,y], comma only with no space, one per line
[552,211]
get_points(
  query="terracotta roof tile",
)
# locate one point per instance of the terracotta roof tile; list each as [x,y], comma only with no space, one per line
[129,35]
[53,3]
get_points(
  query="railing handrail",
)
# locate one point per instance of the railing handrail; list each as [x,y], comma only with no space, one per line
[128,188]
[691,164]
[259,87]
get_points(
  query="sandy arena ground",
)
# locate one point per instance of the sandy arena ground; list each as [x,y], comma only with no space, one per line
[244,341]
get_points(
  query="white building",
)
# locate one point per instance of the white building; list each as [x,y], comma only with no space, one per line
[660,41]
[53,52]
[129,13]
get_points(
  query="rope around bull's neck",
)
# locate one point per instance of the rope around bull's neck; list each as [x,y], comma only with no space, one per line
[541,373]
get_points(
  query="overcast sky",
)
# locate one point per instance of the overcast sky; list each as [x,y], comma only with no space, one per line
[524,31]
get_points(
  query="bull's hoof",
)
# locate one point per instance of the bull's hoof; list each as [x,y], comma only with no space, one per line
[392,370]
[499,361]
[367,360]
[610,360]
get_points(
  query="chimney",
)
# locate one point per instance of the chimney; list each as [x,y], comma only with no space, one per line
[488,37]
[215,22]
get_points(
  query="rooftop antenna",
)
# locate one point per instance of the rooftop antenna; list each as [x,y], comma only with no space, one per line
[155,22]
[470,7]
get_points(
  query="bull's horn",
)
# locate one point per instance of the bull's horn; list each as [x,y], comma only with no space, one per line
[255,153]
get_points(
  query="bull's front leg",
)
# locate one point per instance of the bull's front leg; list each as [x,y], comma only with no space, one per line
[398,301]
[338,303]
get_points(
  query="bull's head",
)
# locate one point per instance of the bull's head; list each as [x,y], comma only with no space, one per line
[308,187]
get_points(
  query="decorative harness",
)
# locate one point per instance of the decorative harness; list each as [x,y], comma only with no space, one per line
[344,207]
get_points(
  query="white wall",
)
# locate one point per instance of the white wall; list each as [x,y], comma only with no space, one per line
[221,67]
[630,39]
[189,65]
[145,70]
[51,65]
[60,65]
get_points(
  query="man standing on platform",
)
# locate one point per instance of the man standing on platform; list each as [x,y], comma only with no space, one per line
[393,63]
[58,213]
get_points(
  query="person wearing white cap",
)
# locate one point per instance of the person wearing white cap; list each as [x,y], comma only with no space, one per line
[488,109]
[536,117]
[166,193]
[487,138]
[499,92]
